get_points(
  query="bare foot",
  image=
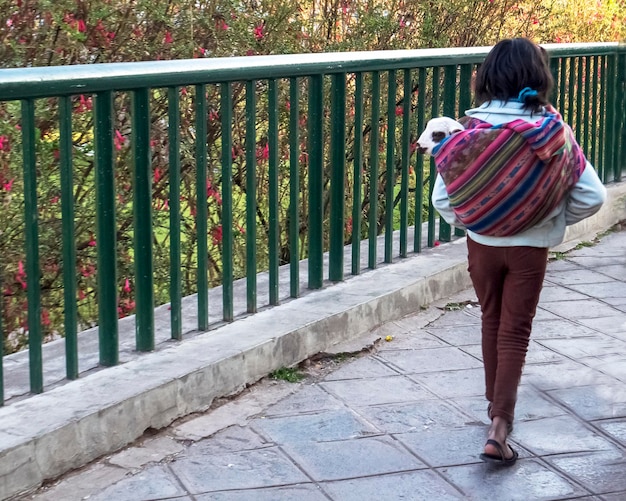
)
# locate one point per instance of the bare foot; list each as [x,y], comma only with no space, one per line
[498,432]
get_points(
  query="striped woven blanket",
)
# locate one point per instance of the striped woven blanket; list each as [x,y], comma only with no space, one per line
[503,180]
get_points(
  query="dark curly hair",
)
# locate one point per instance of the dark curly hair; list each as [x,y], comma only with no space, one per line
[511,66]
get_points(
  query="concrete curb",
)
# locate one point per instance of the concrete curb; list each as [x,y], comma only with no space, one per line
[65,428]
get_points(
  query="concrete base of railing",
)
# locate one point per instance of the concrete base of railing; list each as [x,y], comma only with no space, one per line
[47,435]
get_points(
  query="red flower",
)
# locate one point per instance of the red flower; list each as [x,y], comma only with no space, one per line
[258,32]
[217,234]
[168,37]
[4,143]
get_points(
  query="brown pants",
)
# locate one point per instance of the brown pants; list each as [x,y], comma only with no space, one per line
[508,282]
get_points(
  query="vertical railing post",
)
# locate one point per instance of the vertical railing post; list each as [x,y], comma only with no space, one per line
[273,192]
[106,229]
[620,134]
[611,100]
[449,110]
[173,131]
[433,170]
[316,182]
[419,161]
[357,189]
[32,246]
[294,188]
[405,156]
[595,114]
[69,244]
[142,213]
[251,204]
[202,210]
[226,107]
[338,176]
[390,164]
[372,214]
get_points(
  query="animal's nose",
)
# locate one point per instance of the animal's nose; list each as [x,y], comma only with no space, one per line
[421,149]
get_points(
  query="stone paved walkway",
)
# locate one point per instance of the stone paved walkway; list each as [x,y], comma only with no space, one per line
[407,419]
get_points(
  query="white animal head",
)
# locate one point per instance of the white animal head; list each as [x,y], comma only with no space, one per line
[436,130]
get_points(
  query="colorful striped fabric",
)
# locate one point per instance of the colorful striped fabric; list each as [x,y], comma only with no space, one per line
[503,180]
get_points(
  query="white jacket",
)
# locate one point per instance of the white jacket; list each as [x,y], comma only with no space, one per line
[584,200]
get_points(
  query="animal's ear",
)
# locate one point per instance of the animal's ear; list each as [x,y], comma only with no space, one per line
[455,131]
[438,136]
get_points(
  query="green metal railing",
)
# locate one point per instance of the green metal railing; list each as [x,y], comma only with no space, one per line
[308,156]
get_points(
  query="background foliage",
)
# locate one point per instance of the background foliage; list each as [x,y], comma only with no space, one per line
[64,32]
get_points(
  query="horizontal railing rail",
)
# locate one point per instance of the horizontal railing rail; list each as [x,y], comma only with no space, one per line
[131,185]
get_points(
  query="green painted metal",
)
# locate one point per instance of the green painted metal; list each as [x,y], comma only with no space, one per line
[69,238]
[619,79]
[594,107]
[449,110]
[273,192]
[407,94]
[202,211]
[142,213]
[611,119]
[554,68]
[87,79]
[390,164]
[433,171]
[1,354]
[106,239]
[419,161]
[251,204]
[571,93]
[357,176]
[173,132]
[562,85]
[579,99]
[465,103]
[372,212]
[338,176]
[602,120]
[294,187]
[226,109]
[32,246]
[316,182]
[587,118]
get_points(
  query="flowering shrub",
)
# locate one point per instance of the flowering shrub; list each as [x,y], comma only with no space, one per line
[64,32]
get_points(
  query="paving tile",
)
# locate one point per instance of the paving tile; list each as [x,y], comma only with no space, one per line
[614,496]
[612,289]
[237,470]
[461,317]
[381,390]
[325,426]
[559,329]
[599,472]
[423,483]
[363,367]
[594,402]
[352,458]
[449,384]
[565,374]
[525,480]
[459,336]
[558,435]
[573,277]
[302,492]
[543,314]
[156,482]
[576,309]
[309,398]
[232,439]
[532,405]
[431,360]
[446,447]
[551,293]
[616,271]
[615,428]
[411,341]
[611,324]
[597,344]
[406,417]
